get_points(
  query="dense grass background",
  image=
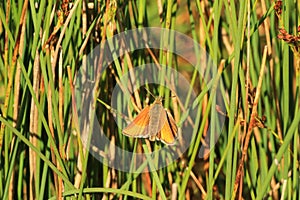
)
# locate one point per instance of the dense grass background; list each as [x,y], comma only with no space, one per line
[255,44]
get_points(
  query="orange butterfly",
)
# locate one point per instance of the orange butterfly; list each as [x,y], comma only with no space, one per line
[153,122]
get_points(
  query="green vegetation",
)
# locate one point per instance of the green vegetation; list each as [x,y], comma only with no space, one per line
[255,48]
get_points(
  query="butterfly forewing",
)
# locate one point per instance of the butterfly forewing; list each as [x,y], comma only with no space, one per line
[139,126]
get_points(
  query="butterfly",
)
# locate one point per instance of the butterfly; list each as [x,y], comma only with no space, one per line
[153,122]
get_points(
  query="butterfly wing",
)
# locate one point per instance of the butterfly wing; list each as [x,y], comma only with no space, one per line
[168,132]
[139,126]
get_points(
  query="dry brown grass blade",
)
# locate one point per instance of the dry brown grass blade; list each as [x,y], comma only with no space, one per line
[12,69]
[252,124]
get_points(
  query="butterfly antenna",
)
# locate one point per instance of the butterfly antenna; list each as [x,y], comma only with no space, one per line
[150,92]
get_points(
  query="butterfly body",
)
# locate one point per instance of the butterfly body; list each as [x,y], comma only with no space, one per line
[156,112]
[153,122]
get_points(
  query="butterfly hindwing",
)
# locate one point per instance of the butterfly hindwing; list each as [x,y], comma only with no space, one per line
[168,132]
